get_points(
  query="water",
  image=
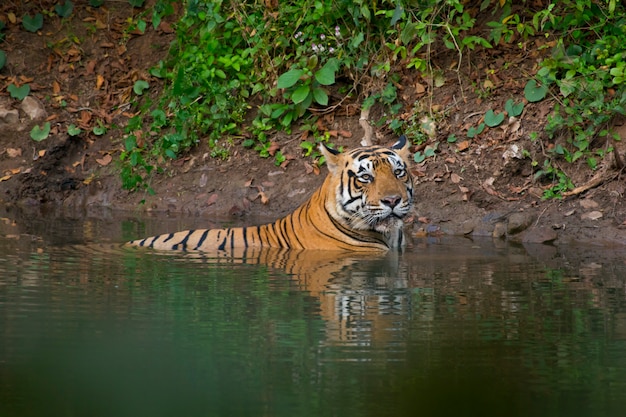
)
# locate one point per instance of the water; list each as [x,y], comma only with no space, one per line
[451,327]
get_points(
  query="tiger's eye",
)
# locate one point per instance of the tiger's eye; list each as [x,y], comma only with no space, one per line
[366,178]
[399,173]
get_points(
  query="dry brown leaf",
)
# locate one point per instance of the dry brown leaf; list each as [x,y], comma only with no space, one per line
[248,183]
[99,81]
[12,17]
[41,153]
[89,179]
[105,160]
[345,133]
[15,170]
[264,199]
[13,153]
[308,168]
[273,148]
[461,146]
[6,177]
[455,178]
[212,199]
[56,87]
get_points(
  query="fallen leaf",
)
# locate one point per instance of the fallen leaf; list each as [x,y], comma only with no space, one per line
[461,146]
[12,153]
[423,219]
[455,178]
[212,199]
[15,170]
[6,177]
[345,133]
[41,153]
[56,87]
[264,199]
[99,81]
[308,168]
[248,183]
[592,215]
[89,179]
[273,148]
[105,160]
[267,184]
[12,17]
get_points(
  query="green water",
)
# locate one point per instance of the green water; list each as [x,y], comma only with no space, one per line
[451,327]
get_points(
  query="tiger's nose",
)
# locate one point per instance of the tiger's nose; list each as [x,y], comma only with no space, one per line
[391,201]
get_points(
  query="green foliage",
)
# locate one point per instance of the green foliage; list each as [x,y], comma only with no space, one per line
[492,119]
[561,182]
[140,86]
[3,59]
[32,24]
[18,93]
[472,132]
[512,109]
[586,73]
[39,133]
[64,9]
[74,130]
[535,92]
[229,54]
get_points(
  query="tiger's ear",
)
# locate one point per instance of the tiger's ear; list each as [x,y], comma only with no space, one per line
[332,157]
[402,147]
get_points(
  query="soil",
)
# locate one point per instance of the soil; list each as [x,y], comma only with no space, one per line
[82,69]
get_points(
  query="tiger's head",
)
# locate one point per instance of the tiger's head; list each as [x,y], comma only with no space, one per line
[372,186]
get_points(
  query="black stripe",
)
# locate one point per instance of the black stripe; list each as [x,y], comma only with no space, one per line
[232,239]
[183,242]
[245,238]
[283,230]
[295,232]
[171,235]
[222,245]
[154,239]
[371,237]
[202,239]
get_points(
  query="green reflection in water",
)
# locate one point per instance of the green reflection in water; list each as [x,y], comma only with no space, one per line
[441,330]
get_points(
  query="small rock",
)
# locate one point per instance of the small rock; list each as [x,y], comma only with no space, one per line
[592,215]
[519,222]
[9,117]
[541,234]
[588,204]
[33,108]
[499,231]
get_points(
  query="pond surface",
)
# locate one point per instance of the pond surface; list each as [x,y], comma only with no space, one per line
[450,327]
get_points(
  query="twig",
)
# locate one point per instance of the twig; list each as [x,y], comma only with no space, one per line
[367,129]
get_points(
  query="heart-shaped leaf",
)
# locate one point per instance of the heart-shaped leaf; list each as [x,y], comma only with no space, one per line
[140,86]
[73,130]
[492,119]
[535,92]
[40,133]
[32,24]
[65,9]
[18,92]
[512,109]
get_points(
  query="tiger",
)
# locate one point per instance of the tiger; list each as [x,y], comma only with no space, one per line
[360,206]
